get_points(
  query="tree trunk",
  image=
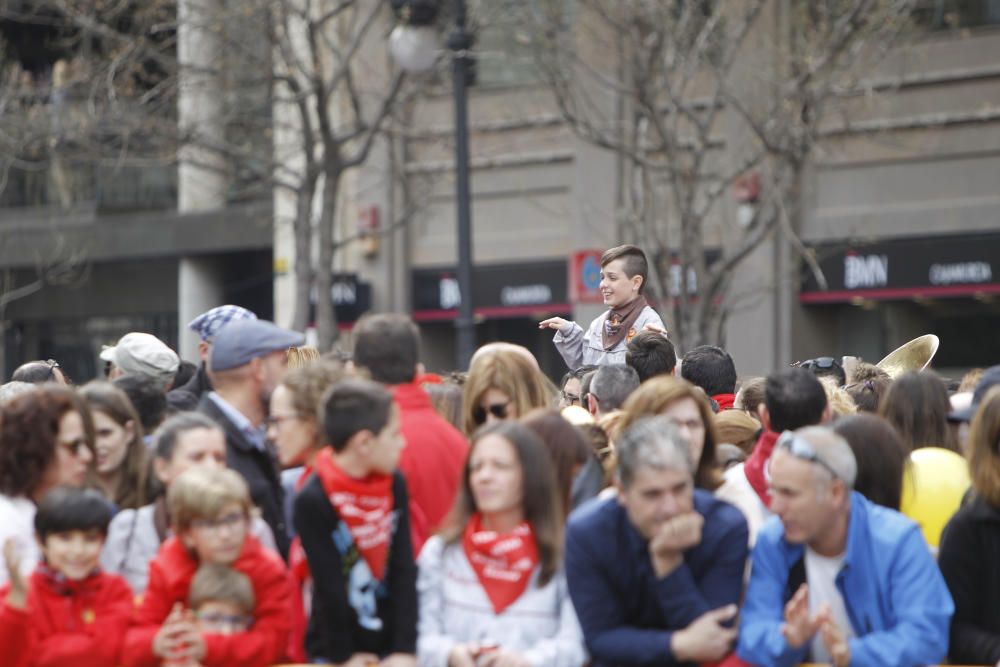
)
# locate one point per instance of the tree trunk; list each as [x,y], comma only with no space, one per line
[326,320]
[304,272]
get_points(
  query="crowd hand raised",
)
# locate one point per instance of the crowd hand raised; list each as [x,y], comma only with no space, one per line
[503,658]
[707,639]
[833,638]
[18,595]
[799,627]
[400,660]
[653,326]
[462,655]
[555,323]
[674,537]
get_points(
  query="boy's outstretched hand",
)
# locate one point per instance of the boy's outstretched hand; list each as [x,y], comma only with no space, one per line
[554,323]
[18,595]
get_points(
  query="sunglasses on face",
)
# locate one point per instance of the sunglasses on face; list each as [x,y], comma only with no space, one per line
[498,410]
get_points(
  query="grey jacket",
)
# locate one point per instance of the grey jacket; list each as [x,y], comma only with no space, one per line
[580,348]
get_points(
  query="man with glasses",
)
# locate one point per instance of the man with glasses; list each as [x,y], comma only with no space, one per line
[572,387]
[838,579]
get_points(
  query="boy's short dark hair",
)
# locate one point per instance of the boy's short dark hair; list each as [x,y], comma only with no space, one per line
[710,368]
[388,346]
[634,260]
[220,583]
[794,398]
[352,406]
[650,353]
[65,508]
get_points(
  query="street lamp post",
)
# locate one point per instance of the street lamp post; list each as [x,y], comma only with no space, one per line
[410,48]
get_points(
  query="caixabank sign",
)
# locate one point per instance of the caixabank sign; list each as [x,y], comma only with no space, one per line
[933,267]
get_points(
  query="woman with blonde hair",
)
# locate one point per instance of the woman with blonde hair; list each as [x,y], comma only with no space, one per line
[503,385]
[970,546]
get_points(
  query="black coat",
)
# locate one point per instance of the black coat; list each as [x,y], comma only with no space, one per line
[259,468]
[969,554]
[189,395]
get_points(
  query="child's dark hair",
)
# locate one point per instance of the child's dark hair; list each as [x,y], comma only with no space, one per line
[221,583]
[634,260]
[352,406]
[64,509]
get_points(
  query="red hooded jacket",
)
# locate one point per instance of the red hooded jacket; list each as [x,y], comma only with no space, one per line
[170,575]
[431,461]
[78,623]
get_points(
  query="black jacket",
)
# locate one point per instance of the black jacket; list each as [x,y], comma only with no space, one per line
[969,554]
[260,469]
[187,397]
[335,633]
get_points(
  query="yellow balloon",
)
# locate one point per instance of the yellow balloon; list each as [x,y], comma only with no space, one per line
[933,486]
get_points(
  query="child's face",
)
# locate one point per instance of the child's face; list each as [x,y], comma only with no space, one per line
[221,617]
[616,287]
[387,445]
[74,554]
[218,540]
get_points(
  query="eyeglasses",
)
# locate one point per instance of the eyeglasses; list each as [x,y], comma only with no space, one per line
[219,619]
[229,521]
[498,410]
[801,449]
[571,399]
[75,447]
[275,420]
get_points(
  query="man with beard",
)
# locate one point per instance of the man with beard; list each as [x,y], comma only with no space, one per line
[248,360]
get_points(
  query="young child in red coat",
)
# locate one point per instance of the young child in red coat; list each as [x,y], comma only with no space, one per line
[67,612]
[210,511]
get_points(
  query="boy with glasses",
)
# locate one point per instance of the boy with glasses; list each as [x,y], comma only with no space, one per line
[210,512]
[839,579]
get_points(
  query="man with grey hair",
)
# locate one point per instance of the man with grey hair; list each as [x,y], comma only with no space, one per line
[838,579]
[656,573]
[609,388]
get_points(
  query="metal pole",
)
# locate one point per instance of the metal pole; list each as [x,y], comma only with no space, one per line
[460,41]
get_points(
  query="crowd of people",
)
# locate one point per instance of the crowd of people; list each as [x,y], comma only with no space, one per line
[274,505]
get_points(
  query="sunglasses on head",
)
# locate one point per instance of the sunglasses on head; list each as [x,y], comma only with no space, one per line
[800,448]
[821,363]
[498,410]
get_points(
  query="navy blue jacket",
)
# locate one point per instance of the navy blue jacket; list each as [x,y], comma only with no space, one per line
[628,615]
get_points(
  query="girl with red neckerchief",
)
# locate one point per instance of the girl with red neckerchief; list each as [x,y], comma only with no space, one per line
[491,587]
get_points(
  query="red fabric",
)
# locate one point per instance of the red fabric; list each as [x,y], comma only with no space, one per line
[170,575]
[431,462]
[364,505]
[83,628]
[756,465]
[725,401]
[301,578]
[503,562]
[731,660]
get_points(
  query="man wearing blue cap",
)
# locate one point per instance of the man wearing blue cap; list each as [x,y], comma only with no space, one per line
[206,326]
[247,361]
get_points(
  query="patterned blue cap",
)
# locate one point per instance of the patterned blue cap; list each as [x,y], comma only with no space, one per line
[208,324]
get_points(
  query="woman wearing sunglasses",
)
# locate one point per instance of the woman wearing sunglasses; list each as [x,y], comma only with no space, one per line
[491,585]
[503,385]
[46,440]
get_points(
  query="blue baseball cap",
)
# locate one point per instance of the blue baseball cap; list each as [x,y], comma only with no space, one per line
[210,322]
[240,342]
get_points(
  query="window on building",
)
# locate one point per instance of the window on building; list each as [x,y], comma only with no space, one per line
[957,14]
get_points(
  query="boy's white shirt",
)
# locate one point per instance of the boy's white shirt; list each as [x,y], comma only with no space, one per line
[580,348]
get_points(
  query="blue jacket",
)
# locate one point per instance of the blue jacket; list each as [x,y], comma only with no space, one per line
[626,613]
[896,598]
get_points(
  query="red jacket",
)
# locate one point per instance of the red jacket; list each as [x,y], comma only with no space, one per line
[170,575]
[431,462]
[77,623]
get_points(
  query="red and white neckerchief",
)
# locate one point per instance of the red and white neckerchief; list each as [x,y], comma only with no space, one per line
[365,507]
[503,562]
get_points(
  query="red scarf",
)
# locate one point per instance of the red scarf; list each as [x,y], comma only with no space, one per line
[503,562]
[725,401]
[364,505]
[756,463]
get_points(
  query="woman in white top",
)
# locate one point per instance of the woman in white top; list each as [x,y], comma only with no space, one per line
[491,587]
[46,440]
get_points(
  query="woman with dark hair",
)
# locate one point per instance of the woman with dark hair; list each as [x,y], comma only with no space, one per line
[880,454]
[492,583]
[970,546]
[46,441]
[917,406]
[121,458]
[568,447]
